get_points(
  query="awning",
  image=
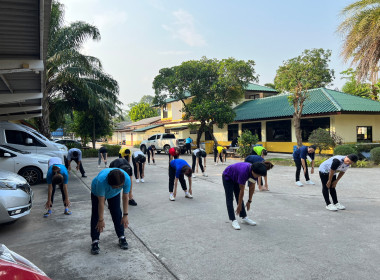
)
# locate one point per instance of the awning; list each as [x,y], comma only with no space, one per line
[147,128]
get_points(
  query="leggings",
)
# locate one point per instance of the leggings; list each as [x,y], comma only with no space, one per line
[100,158]
[216,155]
[135,168]
[232,188]
[325,190]
[200,163]
[298,171]
[172,178]
[62,191]
[150,153]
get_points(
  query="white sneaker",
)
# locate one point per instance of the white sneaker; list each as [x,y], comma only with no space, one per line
[171,197]
[331,207]
[205,175]
[235,224]
[194,176]
[216,164]
[137,181]
[142,180]
[188,195]
[310,182]
[298,183]
[339,206]
[105,166]
[248,221]
[98,166]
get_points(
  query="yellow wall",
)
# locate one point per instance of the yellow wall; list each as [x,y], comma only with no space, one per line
[345,126]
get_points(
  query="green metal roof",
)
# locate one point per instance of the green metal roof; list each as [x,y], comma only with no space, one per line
[147,128]
[259,88]
[187,95]
[320,101]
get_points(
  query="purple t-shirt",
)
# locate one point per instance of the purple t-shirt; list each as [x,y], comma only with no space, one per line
[238,172]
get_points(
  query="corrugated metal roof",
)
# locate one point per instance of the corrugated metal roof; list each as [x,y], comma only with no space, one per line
[259,88]
[320,101]
[147,128]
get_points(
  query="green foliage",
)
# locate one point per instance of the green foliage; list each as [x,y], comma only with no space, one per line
[322,139]
[136,146]
[353,87]
[375,155]
[270,85]
[365,147]
[317,161]
[361,164]
[344,150]
[215,85]
[142,111]
[112,150]
[246,142]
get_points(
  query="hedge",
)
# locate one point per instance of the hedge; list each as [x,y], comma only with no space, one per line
[113,151]
[375,155]
[344,150]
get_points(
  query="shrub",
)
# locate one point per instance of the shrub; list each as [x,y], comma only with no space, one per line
[363,147]
[361,164]
[344,150]
[322,139]
[87,153]
[113,150]
[317,161]
[246,141]
[375,155]
[136,146]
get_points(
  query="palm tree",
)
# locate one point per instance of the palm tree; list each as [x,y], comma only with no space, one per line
[74,81]
[361,29]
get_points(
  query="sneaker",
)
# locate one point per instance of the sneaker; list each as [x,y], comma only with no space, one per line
[216,164]
[142,181]
[84,176]
[310,182]
[95,248]
[205,175]
[171,197]
[339,206]
[98,166]
[123,243]
[188,195]
[331,207]
[298,183]
[194,176]
[67,211]
[235,224]
[132,202]
[248,221]
[47,214]
[137,181]
[105,166]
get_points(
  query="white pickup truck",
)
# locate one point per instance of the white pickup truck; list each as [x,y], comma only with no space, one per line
[162,142]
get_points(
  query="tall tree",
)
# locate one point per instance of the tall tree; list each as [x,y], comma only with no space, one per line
[298,75]
[74,81]
[141,111]
[355,87]
[361,31]
[214,86]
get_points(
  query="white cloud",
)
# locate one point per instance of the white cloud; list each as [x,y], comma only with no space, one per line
[183,28]
[173,52]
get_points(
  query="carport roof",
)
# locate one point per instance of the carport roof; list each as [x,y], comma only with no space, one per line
[147,128]
[320,101]
[24,29]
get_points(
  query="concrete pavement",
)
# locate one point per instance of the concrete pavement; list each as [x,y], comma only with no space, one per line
[295,236]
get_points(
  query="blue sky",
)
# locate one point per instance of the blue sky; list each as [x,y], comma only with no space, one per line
[140,37]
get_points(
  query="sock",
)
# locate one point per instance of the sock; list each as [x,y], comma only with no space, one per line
[122,237]
[95,241]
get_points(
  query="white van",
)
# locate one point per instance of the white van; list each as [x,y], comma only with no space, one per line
[27,139]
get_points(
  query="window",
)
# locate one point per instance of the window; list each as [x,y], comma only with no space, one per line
[308,125]
[19,138]
[158,136]
[254,96]
[164,112]
[233,131]
[255,128]
[152,138]
[168,136]
[279,131]
[364,133]
[167,130]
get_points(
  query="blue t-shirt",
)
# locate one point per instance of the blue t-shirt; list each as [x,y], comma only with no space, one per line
[177,164]
[188,140]
[238,173]
[302,153]
[100,186]
[65,174]
[254,159]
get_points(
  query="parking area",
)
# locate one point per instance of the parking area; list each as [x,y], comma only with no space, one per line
[295,236]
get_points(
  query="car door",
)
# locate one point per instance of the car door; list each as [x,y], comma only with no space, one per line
[21,140]
[152,140]
[7,162]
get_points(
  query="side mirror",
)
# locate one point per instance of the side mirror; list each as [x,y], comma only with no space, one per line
[7,155]
[28,141]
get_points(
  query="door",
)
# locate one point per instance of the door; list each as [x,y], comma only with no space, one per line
[7,162]
[21,140]
[152,140]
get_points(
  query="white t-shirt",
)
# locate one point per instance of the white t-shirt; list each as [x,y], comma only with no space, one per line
[335,163]
[54,160]
[135,154]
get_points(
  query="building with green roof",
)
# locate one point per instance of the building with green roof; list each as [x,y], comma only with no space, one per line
[354,118]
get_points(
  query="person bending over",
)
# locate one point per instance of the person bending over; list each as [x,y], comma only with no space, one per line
[220,153]
[125,153]
[138,160]
[103,154]
[255,158]
[259,151]
[300,159]
[197,156]
[174,153]
[150,152]
[178,168]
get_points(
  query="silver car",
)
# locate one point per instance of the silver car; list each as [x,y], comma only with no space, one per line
[15,197]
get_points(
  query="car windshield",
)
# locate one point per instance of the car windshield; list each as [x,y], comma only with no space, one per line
[14,149]
[39,135]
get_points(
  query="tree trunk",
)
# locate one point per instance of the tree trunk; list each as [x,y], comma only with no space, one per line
[297,126]
[211,130]
[44,123]
[93,134]
[199,134]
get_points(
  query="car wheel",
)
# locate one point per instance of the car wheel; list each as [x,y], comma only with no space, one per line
[31,174]
[143,149]
[166,149]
